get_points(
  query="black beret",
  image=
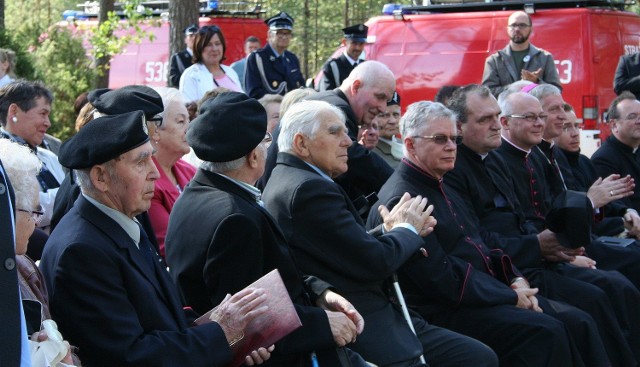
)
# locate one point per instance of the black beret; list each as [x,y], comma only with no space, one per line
[192,29]
[104,139]
[394,100]
[127,99]
[228,127]
[357,33]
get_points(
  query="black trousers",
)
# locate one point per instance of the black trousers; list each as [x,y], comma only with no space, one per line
[518,336]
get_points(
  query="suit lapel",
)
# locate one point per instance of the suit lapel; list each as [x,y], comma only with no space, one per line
[509,63]
[126,245]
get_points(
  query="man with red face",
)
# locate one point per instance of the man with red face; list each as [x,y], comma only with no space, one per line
[519,60]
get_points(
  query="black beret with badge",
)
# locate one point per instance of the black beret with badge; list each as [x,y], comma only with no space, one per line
[356,33]
[280,21]
[127,99]
[228,127]
[104,139]
[192,29]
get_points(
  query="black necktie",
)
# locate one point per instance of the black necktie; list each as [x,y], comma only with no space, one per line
[145,248]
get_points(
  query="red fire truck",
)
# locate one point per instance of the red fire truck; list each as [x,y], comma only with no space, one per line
[430,46]
[147,63]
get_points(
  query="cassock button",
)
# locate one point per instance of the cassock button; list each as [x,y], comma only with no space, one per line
[9,264]
[468,238]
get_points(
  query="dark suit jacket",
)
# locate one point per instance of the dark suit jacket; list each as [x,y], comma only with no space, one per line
[367,171]
[276,71]
[328,80]
[10,337]
[179,62]
[628,75]
[329,240]
[240,243]
[494,202]
[108,301]
[616,157]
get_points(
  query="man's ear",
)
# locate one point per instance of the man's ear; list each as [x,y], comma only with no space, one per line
[252,158]
[300,145]
[504,121]
[100,177]
[355,86]
[459,127]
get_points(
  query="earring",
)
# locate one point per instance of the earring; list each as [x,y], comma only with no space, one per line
[14,120]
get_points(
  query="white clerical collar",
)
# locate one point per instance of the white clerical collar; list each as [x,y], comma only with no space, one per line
[515,146]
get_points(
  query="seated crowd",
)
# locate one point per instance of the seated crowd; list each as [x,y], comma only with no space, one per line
[482,210]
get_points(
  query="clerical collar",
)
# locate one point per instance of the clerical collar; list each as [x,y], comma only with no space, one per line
[130,226]
[515,146]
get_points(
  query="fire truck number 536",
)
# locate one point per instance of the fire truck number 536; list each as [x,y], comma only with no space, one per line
[564,68]
[156,71]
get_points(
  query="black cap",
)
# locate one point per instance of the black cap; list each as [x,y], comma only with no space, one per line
[228,127]
[280,21]
[356,33]
[570,219]
[394,100]
[127,99]
[192,29]
[104,139]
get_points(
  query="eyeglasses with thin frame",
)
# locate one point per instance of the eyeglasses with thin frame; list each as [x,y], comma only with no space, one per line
[36,215]
[531,117]
[441,139]
[519,25]
[284,34]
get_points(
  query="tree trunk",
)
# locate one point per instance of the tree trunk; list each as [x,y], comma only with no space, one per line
[182,13]
[1,15]
[102,80]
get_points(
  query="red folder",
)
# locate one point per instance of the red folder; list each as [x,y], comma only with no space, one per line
[263,331]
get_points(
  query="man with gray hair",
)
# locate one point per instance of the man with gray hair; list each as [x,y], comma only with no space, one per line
[98,264]
[241,241]
[430,147]
[329,240]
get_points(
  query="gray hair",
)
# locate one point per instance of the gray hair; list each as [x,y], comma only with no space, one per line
[304,118]
[295,96]
[545,90]
[422,113]
[168,96]
[223,167]
[83,177]
[22,167]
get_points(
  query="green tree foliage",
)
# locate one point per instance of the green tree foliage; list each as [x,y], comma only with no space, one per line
[60,61]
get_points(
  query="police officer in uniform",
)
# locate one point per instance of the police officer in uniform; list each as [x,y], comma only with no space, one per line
[337,69]
[183,59]
[272,69]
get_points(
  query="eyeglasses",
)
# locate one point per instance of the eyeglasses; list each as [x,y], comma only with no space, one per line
[531,117]
[268,138]
[36,215]
[442,139]
[571,126]
[519,25]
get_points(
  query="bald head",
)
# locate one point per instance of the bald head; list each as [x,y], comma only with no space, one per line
[368,88]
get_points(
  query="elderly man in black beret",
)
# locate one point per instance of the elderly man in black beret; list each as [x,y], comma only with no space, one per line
[241,241]
[99,266]
[111,102]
